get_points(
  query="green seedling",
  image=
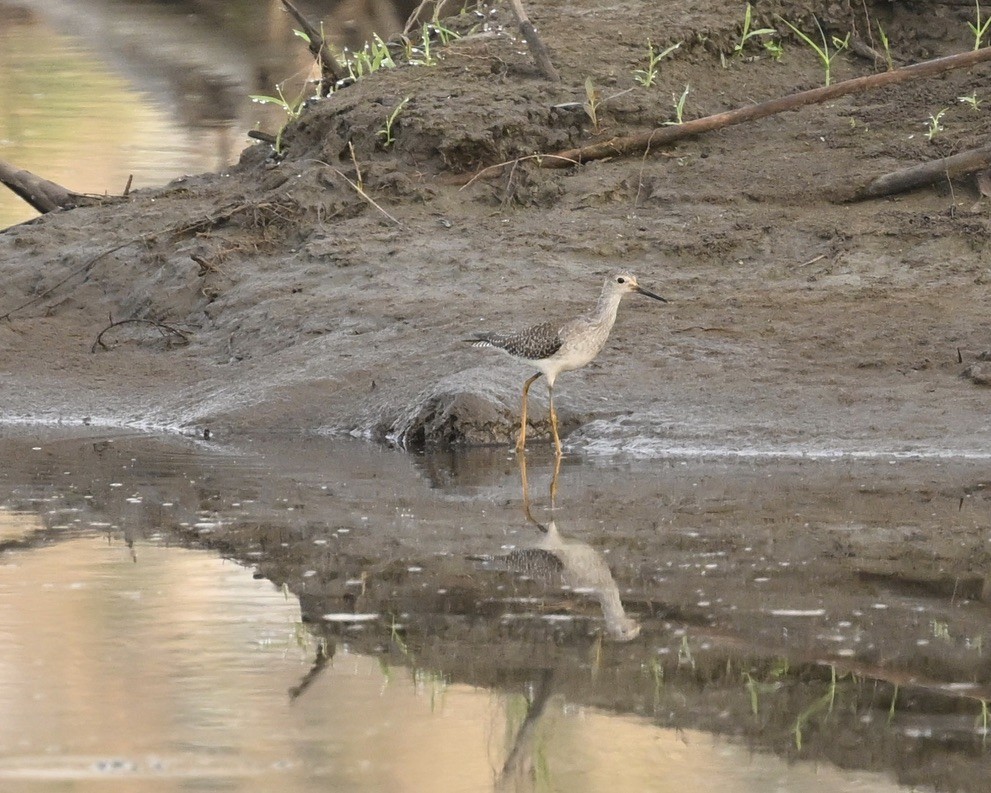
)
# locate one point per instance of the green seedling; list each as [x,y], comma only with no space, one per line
[935,125]
[390,122]
[774,49]
[983,718]
[421,54]
[980,29]
[370,58]
[647,77]
[291,107]
[748,34]
[971,101]
[685,653]
[679,107]
[592,101]
[825,56]
[444,34]
[887,46]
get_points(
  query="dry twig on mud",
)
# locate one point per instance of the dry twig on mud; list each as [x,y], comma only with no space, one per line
[926,173]
[636,144]
[536,44]
[165,330]
[497,169]
[330,69]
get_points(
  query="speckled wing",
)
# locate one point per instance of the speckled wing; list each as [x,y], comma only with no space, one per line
[535,343]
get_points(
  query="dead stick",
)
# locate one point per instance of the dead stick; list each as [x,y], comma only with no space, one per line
[330,70]
[663,135]
[539,51]
[41,194]
[926,173]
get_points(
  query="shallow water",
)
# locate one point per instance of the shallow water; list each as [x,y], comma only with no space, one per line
[93,92]
[300,613]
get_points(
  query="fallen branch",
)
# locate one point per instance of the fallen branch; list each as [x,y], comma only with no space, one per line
[41,194]
[536,44]
[926,173]
[636,144]
[330,69]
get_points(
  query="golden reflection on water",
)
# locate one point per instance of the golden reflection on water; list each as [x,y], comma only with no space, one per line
[91,94]
[173,667]
[66,118]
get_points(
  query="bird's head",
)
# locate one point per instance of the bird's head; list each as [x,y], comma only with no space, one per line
[623,281]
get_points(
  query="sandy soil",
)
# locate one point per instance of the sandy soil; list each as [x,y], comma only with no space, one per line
[797,322]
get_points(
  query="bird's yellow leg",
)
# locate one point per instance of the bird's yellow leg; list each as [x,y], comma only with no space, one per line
[526,489]
[557,470]
[521,440]
[557,439]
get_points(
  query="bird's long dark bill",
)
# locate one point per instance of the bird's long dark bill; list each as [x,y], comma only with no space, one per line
[650,294]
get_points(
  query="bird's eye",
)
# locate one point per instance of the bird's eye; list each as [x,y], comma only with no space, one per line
[621,280]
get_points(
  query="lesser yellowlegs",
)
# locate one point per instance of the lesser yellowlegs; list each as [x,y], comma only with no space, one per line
[553,348]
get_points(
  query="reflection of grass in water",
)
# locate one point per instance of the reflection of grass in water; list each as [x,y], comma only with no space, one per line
[757,687]
[433,682]
[517,709]
[423,679]
[596,660]
[517,706]
[656,671]
[982,720]
[685,653]
[825,702]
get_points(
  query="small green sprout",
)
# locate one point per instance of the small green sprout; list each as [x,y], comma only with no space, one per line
[934,124]
[825,56]
[887,46]
[647,77]
[980,29]
[390,122]
[971,101]
[592,102]
[291,107]
[748,34]
[370,58]
[774,49]
[679,107]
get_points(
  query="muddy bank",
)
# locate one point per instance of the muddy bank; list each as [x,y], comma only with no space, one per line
[796,322]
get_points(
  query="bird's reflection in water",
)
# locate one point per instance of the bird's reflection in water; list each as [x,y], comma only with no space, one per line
[578,564]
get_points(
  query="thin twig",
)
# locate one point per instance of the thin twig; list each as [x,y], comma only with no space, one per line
[359,189]
[482,174]
[160,326]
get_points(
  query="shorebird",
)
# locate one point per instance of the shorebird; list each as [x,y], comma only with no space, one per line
[553,348]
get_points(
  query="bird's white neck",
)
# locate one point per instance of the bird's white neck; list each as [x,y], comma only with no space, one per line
[606,308]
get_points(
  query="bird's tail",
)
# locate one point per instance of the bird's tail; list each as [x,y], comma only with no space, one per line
[479,340]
